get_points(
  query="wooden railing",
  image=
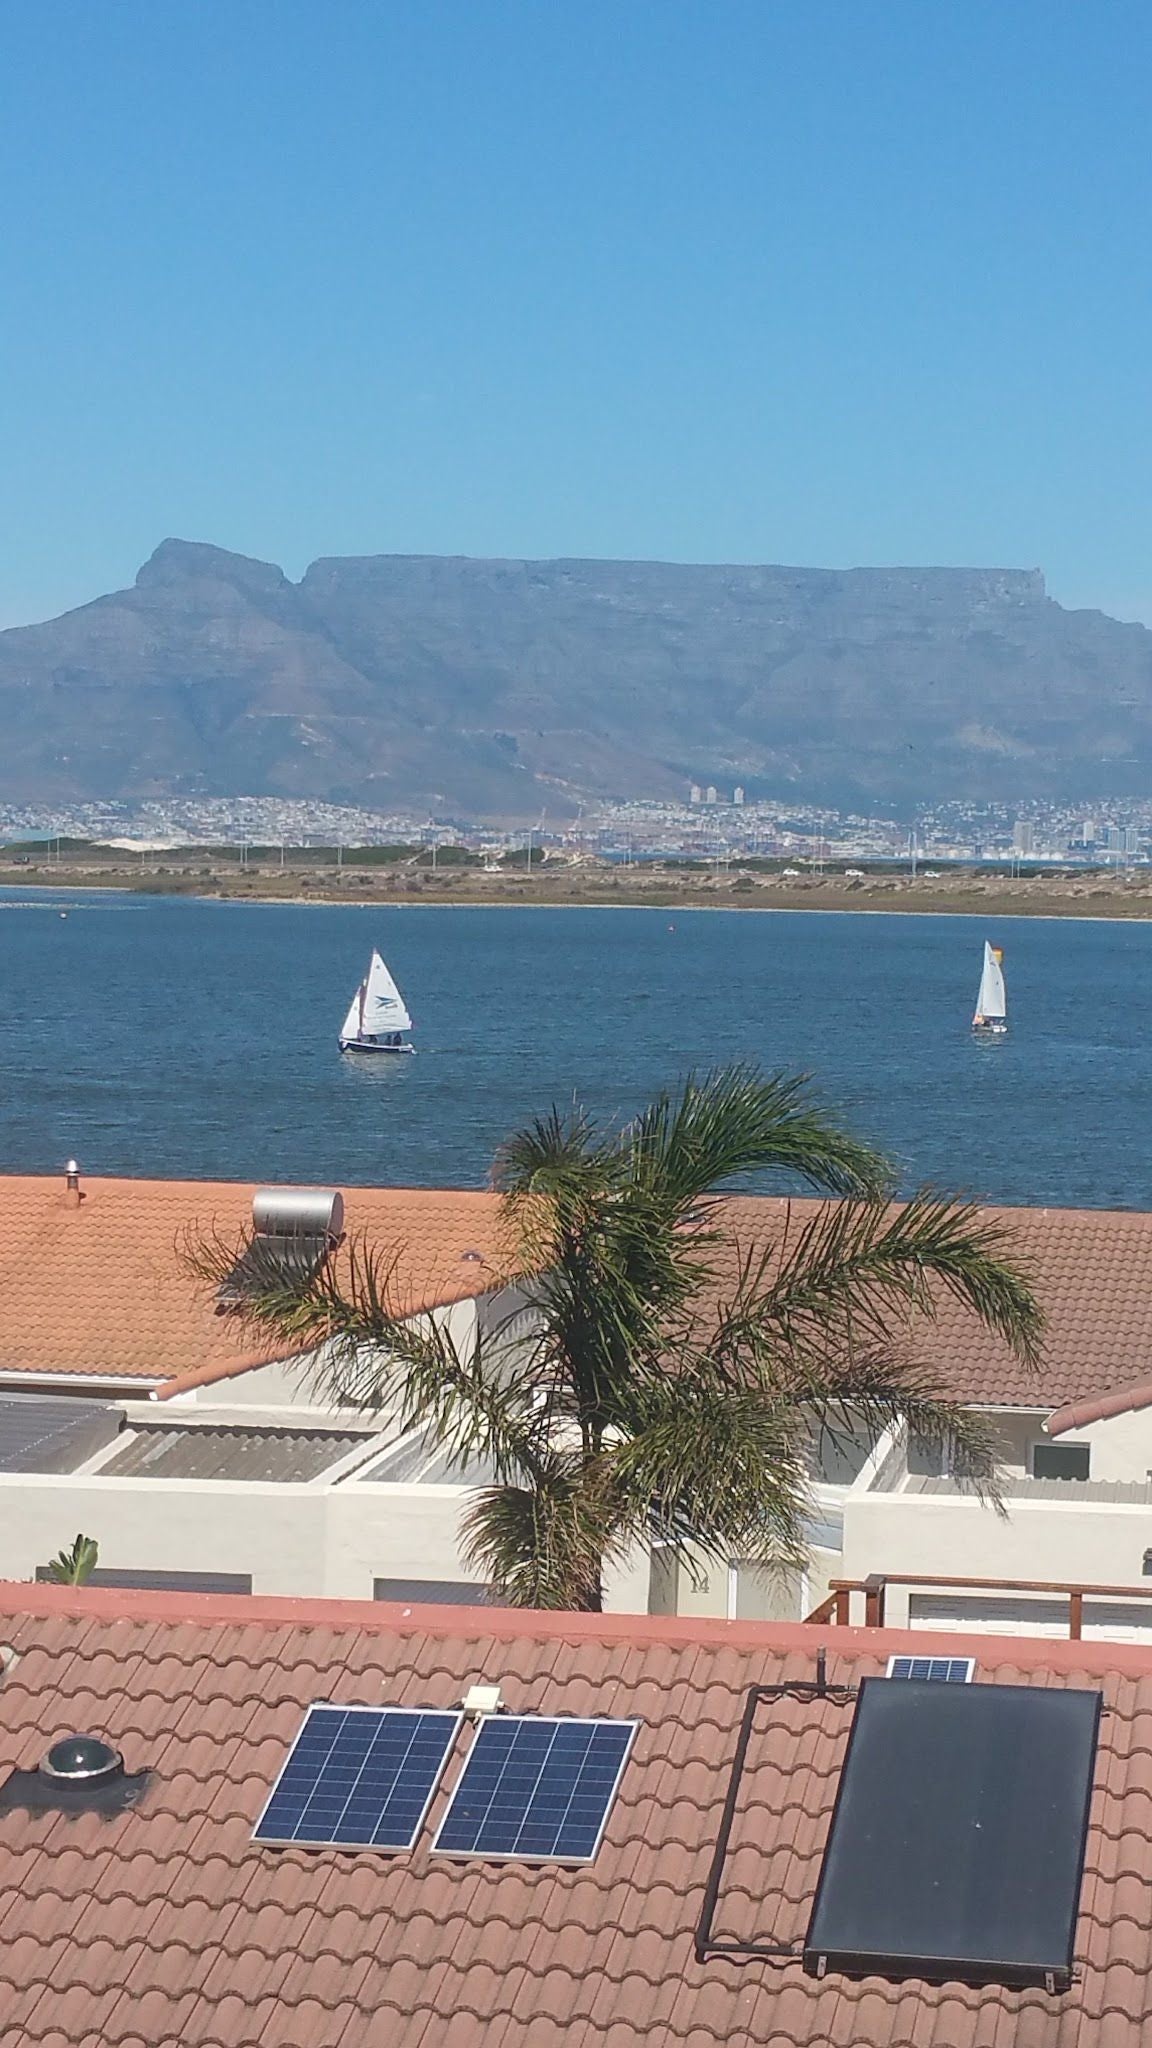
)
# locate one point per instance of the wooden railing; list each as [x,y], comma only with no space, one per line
[837,1607]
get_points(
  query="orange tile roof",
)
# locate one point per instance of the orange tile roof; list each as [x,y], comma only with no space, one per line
[98,1288]
[167,1924]
[1092,1274]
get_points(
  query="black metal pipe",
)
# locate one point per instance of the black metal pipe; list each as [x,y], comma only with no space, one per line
[801,1688]
[727,1818]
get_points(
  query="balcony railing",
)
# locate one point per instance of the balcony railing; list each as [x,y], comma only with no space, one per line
[839,1606]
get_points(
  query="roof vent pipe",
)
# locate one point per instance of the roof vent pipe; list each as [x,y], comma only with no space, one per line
[72,1182]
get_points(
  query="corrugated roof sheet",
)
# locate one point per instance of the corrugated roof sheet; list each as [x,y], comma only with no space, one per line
[53,1434]
[168,1924]
[199,1452]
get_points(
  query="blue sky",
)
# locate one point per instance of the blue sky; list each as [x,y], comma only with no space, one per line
[717,280]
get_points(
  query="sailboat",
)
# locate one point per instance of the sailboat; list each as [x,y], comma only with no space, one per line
[377,1015]
[991,1017]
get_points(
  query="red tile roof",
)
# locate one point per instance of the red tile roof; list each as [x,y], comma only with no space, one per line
[98,1288]
[1092,1273]
[166,1924]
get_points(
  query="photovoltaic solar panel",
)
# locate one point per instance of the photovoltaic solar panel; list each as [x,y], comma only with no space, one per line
[358,1778]
[536,1788]
[943,1670]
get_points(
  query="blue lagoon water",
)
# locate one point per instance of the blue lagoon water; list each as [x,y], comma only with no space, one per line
[162,1036]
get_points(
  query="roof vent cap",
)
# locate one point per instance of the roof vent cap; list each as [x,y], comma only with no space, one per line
[82,1759]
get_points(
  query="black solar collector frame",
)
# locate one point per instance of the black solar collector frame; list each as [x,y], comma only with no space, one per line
[358,1778]
[536,1789]
[956,1848]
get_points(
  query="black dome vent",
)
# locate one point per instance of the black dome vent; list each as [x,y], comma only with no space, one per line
[82,1760]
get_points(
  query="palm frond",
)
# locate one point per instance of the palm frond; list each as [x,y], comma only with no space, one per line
[716,1472]
[858,1266]
[546,1544]
[735,1121]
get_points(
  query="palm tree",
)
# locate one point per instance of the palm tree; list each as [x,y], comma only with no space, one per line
[658,1381]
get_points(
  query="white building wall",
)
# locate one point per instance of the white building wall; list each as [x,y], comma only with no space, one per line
[1093,1542]
[1121,1447]
[294,1388]
[298,1540]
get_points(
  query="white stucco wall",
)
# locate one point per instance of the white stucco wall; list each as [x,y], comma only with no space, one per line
[1091,1543]
[1121,1447]
[299,1540]
[292,1389]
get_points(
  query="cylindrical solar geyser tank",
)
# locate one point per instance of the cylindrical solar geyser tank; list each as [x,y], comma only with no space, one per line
[298,1212]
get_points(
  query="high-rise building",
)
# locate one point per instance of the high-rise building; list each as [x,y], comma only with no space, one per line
[1131,839]
[694,794]
[1022,836]
[710,793]
[738,794]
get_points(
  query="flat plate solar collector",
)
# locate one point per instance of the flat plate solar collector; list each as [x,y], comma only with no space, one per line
[358,1778]
[956,1848]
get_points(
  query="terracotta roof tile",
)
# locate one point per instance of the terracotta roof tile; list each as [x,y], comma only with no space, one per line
[168,1924]
[1092,1273]
[98,1288]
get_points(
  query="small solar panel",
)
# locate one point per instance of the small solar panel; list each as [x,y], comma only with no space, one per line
[358,1778]
[943,1670]
[536,1789]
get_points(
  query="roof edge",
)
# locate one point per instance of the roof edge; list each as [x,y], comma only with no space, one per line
[226,1369]
[1126,1400]
[21,1598]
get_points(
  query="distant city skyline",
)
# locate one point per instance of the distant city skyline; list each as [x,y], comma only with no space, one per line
[801,283]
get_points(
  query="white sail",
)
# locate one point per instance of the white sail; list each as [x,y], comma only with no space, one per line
[351,1025]
[380,1002]
[991,1003]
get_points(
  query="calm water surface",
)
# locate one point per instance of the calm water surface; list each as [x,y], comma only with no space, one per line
[166,1037]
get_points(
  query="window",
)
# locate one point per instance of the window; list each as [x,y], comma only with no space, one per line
[1060,1461]
[144,1581]
[1146,1567]
[435,1592]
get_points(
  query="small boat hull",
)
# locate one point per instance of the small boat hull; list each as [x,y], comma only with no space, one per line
[361,1045]
[989,1027]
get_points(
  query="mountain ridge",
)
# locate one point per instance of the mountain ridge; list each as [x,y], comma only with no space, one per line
[490,687]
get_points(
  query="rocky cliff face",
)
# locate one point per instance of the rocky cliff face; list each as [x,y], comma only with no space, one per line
[489,688]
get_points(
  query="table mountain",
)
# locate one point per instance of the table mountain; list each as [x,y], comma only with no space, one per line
[491,688]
